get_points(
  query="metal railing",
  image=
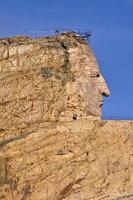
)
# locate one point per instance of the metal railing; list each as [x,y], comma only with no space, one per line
[85,34]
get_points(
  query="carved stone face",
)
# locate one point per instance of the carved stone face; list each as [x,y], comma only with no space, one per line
[85,86]
[90,84]
[49,79]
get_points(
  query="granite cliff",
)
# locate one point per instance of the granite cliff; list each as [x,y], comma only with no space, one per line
[53,145]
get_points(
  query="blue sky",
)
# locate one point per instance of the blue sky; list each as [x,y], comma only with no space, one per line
[111,23]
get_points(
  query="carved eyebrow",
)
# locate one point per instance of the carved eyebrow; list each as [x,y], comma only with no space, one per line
[95,74]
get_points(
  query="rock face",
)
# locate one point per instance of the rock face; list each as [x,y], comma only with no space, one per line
[50,79]
[53,146]
[75,160]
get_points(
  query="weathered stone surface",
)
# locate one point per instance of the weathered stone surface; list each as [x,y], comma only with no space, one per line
[3,170]
[70,160]
[50,88]
[49,79]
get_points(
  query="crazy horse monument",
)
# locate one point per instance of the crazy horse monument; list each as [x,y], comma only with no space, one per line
[53,143]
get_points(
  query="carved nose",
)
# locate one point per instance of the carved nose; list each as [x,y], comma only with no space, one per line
[103,87]
[106,93]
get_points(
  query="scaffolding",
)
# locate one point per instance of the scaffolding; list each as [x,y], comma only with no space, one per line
[82,33]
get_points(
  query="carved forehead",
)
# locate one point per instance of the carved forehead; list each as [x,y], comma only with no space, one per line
[83,59]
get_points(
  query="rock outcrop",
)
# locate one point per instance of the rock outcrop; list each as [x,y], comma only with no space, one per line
[52,144]
[50,79]
[77,160]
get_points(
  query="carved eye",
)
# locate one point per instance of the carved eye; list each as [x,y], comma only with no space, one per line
[95,74]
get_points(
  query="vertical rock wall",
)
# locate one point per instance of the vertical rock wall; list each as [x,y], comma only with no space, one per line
[70,160]
[49,149]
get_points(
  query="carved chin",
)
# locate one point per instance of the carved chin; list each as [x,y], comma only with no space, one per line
[94,111]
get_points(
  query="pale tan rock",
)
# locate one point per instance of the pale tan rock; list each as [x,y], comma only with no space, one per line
[4,53]
[52,145]
[50,79]
[3,170]
[71,160]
